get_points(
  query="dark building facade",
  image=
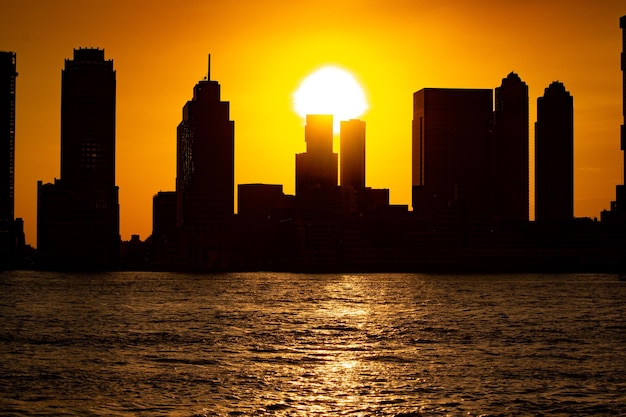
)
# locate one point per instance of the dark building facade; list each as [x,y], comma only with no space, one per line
[263,201]
[554,155]
[164,248]
[78,215]
[8,75]
[205,171]
[317,168]
[451,154]
[617,214]
[352,165]
[352,154]
[511,162]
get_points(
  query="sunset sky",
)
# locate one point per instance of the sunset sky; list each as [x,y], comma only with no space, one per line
[262,50]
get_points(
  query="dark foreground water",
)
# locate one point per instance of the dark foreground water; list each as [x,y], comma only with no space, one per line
[164,344]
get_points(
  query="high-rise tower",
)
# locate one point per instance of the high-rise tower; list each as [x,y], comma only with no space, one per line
[78,215]
[621,189]
[618,207]
[352,154]
[205,169]
[8,74]
[316,169]
[617,214]
[452,153]
[88,120]
[554,155]
[511,189]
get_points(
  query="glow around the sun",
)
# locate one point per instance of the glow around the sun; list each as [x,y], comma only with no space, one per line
[330,90]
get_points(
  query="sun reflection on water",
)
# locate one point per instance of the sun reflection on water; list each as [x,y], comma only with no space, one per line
[324,345]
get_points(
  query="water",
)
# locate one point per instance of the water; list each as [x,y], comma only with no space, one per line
[164,344]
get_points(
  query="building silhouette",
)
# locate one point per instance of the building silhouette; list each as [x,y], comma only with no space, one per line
[262,202]
[452,155]
[511,179]
[78,215]
[352,154]
[205,170]
[317,168]
[554,155]
[352,164]
[616,216]
[164,245]
[8,73]
[620,204]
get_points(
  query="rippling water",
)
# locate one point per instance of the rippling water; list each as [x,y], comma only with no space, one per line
[164,344]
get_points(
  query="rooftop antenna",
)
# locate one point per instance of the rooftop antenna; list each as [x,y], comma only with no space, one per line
[208,72]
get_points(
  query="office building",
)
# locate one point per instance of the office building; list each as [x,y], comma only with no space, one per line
[352,154]
[554,155]
[618,207]
[511,178]
[8,74]
[451,154]
[263,202]
[317,168]
[352,166]
[205,170]
[78,215]
[164,230]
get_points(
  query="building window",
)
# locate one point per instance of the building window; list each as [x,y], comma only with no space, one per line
[91,154]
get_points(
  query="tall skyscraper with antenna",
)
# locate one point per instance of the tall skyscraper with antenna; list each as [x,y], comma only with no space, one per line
[205,169]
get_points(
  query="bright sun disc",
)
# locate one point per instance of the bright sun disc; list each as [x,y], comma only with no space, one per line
[330,90]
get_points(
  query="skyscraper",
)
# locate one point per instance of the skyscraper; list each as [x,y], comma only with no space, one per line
[205,169]
[316,169]
[452,153]
[618,207]
[164,231]
[352,154]
[8,74]
[554,155]
[78,215]
[511,189]
[621,190]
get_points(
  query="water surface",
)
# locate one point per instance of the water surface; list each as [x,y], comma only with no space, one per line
[166,344]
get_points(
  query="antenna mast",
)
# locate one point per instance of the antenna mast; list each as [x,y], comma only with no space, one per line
[208,73]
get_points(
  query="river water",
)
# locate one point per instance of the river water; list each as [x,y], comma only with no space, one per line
[267,344]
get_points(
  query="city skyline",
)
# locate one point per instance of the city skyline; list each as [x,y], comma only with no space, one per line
[150,98]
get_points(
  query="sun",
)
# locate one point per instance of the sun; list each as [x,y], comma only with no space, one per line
[330,90]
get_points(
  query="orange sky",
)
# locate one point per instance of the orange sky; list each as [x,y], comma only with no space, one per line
[260,53]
